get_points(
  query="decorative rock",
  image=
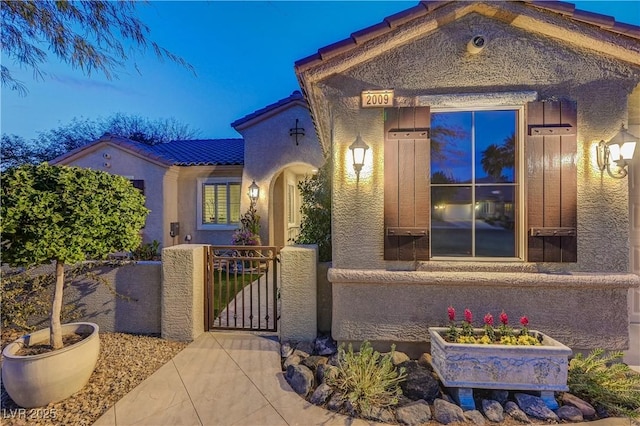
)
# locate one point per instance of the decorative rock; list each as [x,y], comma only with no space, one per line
[325,345]
[475,417]
[335,402]
[333,359]
[305,347]
[570,413]
[300,379]
[493,410]
[584,407]
[321,394]
[515,412]
[420,383]
[291,360]
[425,360]
[313,361]
[285,349]
[446,412]
[349,409]
[326,371]
[415,413]
[502,396]
[535,407]
[302,354]
[378,414]
[398,357]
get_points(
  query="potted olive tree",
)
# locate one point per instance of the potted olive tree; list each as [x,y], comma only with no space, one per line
[62,215]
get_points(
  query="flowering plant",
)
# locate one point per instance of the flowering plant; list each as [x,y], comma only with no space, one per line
[504,335]
[245,238]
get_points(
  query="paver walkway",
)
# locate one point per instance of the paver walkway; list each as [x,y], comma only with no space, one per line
[229,378]
[222,378]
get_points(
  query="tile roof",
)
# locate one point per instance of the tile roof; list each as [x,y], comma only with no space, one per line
[605,22]
[198,152]
[295,96]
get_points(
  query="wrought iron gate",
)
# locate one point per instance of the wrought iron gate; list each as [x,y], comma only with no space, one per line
[241,288]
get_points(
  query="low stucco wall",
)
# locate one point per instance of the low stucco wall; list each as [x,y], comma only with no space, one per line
[128,303]
[583,311]
[298,320]
[183,292]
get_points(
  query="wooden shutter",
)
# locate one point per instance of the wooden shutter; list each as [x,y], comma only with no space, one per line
[406,183]
[138,184]
[551,181]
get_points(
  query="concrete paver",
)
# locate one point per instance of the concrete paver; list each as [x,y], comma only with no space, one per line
[229,378]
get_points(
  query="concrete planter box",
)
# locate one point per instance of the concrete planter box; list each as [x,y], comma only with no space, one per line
[528,368]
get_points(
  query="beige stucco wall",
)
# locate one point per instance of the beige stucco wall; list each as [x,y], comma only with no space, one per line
[182,303]
[114,160]
[269,149]
[128,301]
[434,69]
[187,204]
[439,64]
[298,298]
[633,355]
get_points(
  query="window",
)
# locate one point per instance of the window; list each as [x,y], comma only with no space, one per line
[474,185]
[291,204]
[218,203]
[455,182]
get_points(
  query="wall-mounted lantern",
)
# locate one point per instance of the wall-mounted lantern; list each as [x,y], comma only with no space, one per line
[358,151]
[254,192]
[296,132]
[619,151]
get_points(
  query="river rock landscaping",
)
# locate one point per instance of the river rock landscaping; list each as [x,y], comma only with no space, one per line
[308,367]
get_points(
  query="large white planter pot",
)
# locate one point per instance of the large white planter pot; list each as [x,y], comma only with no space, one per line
[37,380]
[531,368]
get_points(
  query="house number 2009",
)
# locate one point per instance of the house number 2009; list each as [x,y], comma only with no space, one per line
[377,98]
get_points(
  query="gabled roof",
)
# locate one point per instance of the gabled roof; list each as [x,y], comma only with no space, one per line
[268,111]
[200,152]
[607,23]
[554,19]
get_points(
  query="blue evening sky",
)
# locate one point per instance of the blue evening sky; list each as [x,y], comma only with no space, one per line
[243,53]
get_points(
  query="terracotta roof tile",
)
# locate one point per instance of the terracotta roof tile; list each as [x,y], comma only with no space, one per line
[425,7]
[603,21]
[369,32]
[406,15]
[337,48]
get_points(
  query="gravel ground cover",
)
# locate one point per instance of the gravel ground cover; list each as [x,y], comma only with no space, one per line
[125,361]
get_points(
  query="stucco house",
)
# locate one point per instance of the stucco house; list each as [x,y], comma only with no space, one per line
[480,186]
[197,189]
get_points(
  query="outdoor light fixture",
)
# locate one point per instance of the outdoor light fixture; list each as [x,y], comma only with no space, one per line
[618,150]
[296,132]
[254,192]
[358,150]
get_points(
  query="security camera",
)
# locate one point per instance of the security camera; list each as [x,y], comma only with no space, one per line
[476,44]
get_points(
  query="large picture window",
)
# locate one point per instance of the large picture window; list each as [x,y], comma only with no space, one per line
[218,203]
[474,184]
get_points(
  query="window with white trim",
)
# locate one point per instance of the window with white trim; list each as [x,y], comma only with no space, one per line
[218,203]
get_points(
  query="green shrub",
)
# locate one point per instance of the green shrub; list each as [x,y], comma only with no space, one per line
[603,381]
[147,251]
[367,379]
[315,227]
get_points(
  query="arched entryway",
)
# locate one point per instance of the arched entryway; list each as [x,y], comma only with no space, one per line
[284,203]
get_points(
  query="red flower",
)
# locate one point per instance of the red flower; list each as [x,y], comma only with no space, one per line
[524,321]
[452,313]
[488,319]
[504,319]
[467,316]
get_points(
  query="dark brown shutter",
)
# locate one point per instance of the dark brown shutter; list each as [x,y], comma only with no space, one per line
[406,183]
[551,181]
[138,184]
